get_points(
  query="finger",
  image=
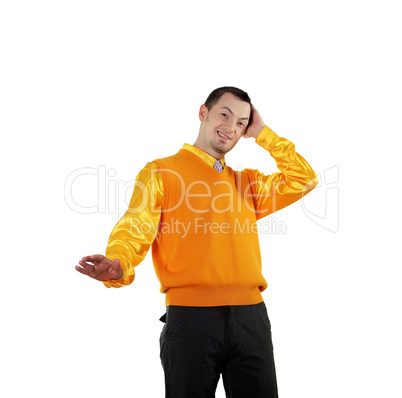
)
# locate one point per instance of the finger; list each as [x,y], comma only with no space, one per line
[116,264]
[86,258]
[82,270]
[114,270]
[86,266]
[94,257]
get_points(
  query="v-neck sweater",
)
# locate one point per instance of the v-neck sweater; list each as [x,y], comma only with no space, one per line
[206,251]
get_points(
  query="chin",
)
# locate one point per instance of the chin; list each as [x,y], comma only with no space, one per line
[222,151]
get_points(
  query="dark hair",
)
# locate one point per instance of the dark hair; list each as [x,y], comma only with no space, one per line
[215,96]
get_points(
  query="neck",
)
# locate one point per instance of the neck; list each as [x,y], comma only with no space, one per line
[208,150]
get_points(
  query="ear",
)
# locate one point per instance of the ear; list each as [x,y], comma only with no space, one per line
[203,112]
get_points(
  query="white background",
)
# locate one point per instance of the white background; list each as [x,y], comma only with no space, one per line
[113,85]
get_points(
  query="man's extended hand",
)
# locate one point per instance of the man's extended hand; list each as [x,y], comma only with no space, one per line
[101,268]
[256,126]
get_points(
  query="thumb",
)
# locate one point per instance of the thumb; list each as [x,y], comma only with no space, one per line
[116,271]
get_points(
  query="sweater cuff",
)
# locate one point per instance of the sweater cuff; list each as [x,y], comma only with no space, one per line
[115,283]
[266,138]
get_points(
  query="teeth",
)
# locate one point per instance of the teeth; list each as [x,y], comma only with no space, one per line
[222,135]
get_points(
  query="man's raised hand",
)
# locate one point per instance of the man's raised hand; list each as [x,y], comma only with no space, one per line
[100,267]
[256,126]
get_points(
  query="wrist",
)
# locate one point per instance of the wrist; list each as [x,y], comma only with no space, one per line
[258,130]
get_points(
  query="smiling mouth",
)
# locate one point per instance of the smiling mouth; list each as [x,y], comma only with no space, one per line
[223,136]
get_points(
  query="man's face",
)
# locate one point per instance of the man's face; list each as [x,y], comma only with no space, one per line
[223,125]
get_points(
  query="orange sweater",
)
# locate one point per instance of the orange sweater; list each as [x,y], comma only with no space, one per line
[217,260]
[205,244]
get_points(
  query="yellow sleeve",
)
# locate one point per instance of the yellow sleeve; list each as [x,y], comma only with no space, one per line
[278,190]
[133,235]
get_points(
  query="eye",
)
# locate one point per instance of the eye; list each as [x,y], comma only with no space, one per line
[224,114]
[241,124]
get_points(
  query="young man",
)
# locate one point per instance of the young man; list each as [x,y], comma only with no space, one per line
[200,217]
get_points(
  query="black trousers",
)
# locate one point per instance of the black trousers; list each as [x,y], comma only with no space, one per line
[198,344]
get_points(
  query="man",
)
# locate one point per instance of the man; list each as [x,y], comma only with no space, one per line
[200,217]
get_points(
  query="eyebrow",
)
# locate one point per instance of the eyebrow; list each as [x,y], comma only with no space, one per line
[242,118]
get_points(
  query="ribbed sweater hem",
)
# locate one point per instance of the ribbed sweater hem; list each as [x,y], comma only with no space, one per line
[213,296]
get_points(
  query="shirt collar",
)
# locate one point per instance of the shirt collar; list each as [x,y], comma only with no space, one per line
[207,158]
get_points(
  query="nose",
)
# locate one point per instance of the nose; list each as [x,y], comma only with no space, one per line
[230,126]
